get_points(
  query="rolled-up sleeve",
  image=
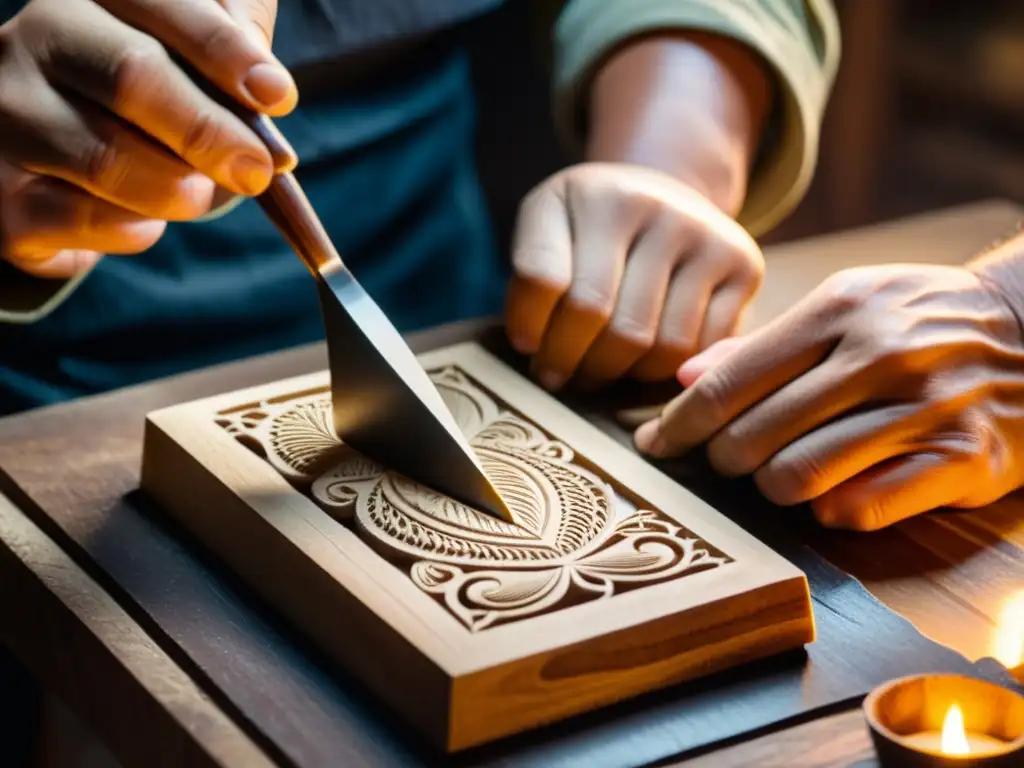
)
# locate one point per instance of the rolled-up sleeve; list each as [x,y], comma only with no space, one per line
[798,39]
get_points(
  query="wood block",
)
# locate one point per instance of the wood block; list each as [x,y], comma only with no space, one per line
[614,582]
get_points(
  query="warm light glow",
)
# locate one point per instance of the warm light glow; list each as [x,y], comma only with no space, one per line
[954,738]
[1008,642]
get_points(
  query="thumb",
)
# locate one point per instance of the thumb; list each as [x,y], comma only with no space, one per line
[257,19]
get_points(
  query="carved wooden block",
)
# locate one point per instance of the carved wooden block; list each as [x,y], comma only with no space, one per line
[614,581]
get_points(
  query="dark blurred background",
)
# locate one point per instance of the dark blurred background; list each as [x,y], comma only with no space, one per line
[927,112]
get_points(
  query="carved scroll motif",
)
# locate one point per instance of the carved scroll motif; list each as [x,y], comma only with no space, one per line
[575,539]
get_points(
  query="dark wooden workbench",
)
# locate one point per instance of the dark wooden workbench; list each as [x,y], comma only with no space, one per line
[950,575]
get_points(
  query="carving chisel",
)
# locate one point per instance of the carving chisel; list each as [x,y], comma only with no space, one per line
[384,404]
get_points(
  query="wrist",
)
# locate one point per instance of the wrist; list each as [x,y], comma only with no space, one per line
[1001,268]
[692,105]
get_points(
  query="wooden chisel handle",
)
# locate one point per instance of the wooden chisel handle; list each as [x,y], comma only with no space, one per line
[286,204]
[285,159]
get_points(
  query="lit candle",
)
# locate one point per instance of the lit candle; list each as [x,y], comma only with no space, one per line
[954,740]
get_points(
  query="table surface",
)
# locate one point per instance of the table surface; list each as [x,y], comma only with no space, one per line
[951,575]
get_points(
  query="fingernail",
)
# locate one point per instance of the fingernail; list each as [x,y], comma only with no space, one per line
[270,85]
[689,372]
[648,439]
[251,174]
[551,379]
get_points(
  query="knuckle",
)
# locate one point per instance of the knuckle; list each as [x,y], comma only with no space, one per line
[945,396]
[790,478]
[709,393]
[842,292]
[632,331]
[748,266]
[538,266]
[869,516]
[104,166]
[972,439]
[205,136]
[874,344]
[262,13]
[33,209]
[592,298]
[675,227]
[610,195]
[220,39]
[731,455]
[137,67]
[676,337]
[33,27]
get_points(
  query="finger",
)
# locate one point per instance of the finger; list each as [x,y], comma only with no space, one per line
[769,359]
[46,216]
[541,266]
[257,17]
[893,491]
[604,228]
[226,42]
[641,299]
[58,266]
[697,365]
[104,157]
[824,458]
[798,408]
[725,273]
[724,313]
[131,75]
[681,321]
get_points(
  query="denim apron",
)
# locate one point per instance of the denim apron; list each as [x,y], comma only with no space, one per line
[389,166]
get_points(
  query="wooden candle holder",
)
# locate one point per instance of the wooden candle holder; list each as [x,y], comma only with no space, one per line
[900,711]
[614,582]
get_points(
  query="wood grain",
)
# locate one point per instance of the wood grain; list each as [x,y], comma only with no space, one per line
[284,695]
[82,643]
[625,582]
[835,741]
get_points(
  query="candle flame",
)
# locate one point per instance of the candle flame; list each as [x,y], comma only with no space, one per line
[954,737]
[1008,642]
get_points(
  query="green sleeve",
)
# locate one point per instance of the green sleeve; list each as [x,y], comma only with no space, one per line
[799,40]
[25,298]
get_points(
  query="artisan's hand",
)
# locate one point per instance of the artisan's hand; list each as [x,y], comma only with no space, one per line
[624,270]
[106,138]
[888,392]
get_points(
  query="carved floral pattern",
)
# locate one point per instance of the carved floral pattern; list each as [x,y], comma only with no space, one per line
[575,538]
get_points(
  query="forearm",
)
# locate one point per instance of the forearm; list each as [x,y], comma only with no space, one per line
[691,104]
